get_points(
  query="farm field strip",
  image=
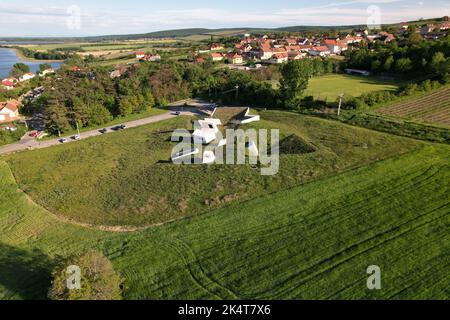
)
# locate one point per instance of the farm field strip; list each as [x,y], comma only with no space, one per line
[412,109]
[433,108]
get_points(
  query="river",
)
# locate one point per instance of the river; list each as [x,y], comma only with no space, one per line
[8,57]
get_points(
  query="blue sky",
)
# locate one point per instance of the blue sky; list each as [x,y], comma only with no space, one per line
[99,17]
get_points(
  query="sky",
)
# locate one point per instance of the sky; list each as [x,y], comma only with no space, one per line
[25,18]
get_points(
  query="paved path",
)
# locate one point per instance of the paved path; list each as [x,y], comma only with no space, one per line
[29,143]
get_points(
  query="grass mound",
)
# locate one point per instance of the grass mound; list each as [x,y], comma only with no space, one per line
[295,145]
[119,180]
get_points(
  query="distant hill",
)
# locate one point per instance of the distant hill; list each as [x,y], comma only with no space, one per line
[183,33]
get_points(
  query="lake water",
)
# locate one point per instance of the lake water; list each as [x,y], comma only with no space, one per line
[8,58]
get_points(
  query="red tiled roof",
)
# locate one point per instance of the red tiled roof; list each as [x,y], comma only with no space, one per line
[330,42]
[292,48]
[321,49]
[281,55]
[12,105]
[8,83]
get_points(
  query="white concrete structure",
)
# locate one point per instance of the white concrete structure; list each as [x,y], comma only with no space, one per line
[209,157]
[252,149]
[205,131]
[247,118]
[181,155]
[27,76]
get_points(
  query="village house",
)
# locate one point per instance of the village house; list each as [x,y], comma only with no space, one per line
[333,46]
[243,48]
[118,72]
[152,57]
[216,57]
[46,72]
[292,48]
[235,58]
[361,32]
[279,57]
[385,37]
[216,47]
[199,60]
[296,55]
[74,69]
[27,76]
[7,84]
[427,28]
[353,39]
[9,111]
[140,55]
[445,26]
[321,51]
[266,51]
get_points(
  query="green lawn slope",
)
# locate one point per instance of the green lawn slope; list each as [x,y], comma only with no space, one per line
[311,241]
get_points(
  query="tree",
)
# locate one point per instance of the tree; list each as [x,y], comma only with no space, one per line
[125,106]
[56,119]
[98,279]
[415,38]
[439,64]
[388,63]
[294,81]
[403,65]
[19,69]
[44,66]
[98,114]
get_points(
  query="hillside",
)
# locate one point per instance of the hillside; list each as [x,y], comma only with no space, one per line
[134,185]
[318,245]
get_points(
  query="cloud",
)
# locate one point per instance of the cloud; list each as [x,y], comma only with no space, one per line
[51,20]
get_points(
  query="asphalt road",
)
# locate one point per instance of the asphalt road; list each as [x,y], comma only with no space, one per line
[29,143]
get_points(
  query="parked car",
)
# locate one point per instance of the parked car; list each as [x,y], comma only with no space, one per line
[34,134]
[77,137]
[104,130]
[177,113]
[63,140]
[120,127]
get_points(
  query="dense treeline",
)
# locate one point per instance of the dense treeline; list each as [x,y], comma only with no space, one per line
[38,55]
[90,97]
[419,57]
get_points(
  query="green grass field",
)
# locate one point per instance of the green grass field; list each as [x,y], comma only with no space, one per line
[312,241]
[131,187]
[330,86]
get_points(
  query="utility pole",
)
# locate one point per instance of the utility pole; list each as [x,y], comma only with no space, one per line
[78,128]
[341,96]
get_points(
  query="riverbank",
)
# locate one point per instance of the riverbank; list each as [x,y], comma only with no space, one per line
[25,58]
[10,56]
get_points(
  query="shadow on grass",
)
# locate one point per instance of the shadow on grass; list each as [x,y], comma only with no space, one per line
[25,274]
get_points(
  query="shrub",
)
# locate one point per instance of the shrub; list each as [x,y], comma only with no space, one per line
[99,281]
